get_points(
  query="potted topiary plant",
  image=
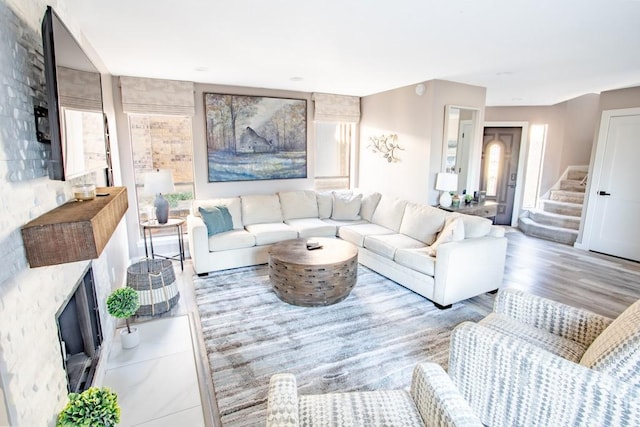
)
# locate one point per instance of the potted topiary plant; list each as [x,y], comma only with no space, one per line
[122,304]
[94,407]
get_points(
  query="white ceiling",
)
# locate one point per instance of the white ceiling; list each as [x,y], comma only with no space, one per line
[525,52]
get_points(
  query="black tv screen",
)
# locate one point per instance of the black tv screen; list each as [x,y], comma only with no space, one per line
[74,94]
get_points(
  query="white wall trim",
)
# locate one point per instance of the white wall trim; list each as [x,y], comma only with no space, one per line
[595,172]
[522,160]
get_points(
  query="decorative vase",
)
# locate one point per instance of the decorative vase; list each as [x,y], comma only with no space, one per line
[129,340]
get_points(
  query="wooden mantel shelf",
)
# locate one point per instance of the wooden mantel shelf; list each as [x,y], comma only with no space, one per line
[75,231]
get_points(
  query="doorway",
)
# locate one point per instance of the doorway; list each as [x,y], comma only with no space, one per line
[499,168]
[614,202]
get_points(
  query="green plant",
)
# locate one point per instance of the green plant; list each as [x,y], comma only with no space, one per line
[468,198]
[174,198]
[94,407]
[123,303]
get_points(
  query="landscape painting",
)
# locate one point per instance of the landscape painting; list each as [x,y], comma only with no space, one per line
[255,137]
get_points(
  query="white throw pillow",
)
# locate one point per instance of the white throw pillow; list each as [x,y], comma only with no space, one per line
[325,204]
[453,231]
[369,203]
[474,226]
[298,204]
[346,207]
[261,209]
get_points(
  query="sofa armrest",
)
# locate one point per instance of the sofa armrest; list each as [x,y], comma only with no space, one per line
[560,319]
[198,242]
[510,382]
[468,268]
[437,398]
[282,406]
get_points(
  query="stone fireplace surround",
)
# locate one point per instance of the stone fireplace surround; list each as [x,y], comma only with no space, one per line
[33,384]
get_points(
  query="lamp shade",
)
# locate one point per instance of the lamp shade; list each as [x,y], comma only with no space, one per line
[159,182]
[446,181]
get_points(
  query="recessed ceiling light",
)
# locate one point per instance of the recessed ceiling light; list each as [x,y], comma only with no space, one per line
[201,69]
[296,79]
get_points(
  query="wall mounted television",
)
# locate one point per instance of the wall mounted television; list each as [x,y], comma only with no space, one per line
[77,124]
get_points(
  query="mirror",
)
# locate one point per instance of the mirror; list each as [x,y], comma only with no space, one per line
[460,130]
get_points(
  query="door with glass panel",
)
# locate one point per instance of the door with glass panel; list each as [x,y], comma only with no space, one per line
[499,169]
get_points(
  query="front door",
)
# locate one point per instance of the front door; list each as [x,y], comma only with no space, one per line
[499,169]
[616,210]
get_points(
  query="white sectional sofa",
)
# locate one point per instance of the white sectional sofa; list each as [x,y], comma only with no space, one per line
[445,257]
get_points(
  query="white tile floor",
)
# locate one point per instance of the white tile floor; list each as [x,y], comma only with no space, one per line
[158,383]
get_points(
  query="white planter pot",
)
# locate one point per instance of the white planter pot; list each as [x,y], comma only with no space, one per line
[129,340]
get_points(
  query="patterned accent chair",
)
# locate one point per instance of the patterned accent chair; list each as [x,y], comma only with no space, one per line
[538,362]
[432,400]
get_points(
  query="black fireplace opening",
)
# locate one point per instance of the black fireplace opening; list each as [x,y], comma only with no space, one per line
[80,334]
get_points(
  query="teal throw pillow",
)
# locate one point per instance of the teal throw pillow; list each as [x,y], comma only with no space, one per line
[217,219]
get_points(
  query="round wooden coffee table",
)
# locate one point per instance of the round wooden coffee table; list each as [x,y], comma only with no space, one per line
[313,277]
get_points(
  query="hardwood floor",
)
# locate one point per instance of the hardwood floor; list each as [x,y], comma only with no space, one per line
[603,284]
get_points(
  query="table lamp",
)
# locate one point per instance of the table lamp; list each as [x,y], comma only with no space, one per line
[159,182]
[446,182]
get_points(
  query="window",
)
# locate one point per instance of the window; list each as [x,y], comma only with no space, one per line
[493,168]
[163,142]
[333,155]
[537,139]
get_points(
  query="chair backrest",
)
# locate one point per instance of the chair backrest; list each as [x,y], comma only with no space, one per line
[616,351]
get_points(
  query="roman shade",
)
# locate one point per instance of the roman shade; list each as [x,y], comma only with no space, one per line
[79,90]
[155,96]
[336,108]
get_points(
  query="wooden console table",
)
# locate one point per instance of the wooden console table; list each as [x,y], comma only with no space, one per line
[485,209]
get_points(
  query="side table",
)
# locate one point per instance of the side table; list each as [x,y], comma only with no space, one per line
[488,209]
[148,227]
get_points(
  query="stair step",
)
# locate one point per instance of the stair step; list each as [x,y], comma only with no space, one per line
[567,196]
[562,208]
[557,220]
[572,185]
[578,173]
[547,232]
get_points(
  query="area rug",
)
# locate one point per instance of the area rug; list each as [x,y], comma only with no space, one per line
[371,340]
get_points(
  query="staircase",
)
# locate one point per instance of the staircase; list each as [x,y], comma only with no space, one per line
[558,219]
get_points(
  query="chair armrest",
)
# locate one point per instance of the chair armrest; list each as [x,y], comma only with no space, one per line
[282,407]
[438,400]
[510,382]
[198,242]
[560,319]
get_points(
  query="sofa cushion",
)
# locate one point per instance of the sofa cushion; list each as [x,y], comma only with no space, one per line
[416,259]
[453,231]
[298,204]
[369,203]
[389,213]
[325,204]
[474,226]
[356,233]
[261,209]
[266,234]
[387,244]
[234,239]
[422,222]
[217,219]
[312,227]
[563,347]
[346,206]
[231,203]
[616,350]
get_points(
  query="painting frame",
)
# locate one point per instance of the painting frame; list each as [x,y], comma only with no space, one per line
[255,138]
